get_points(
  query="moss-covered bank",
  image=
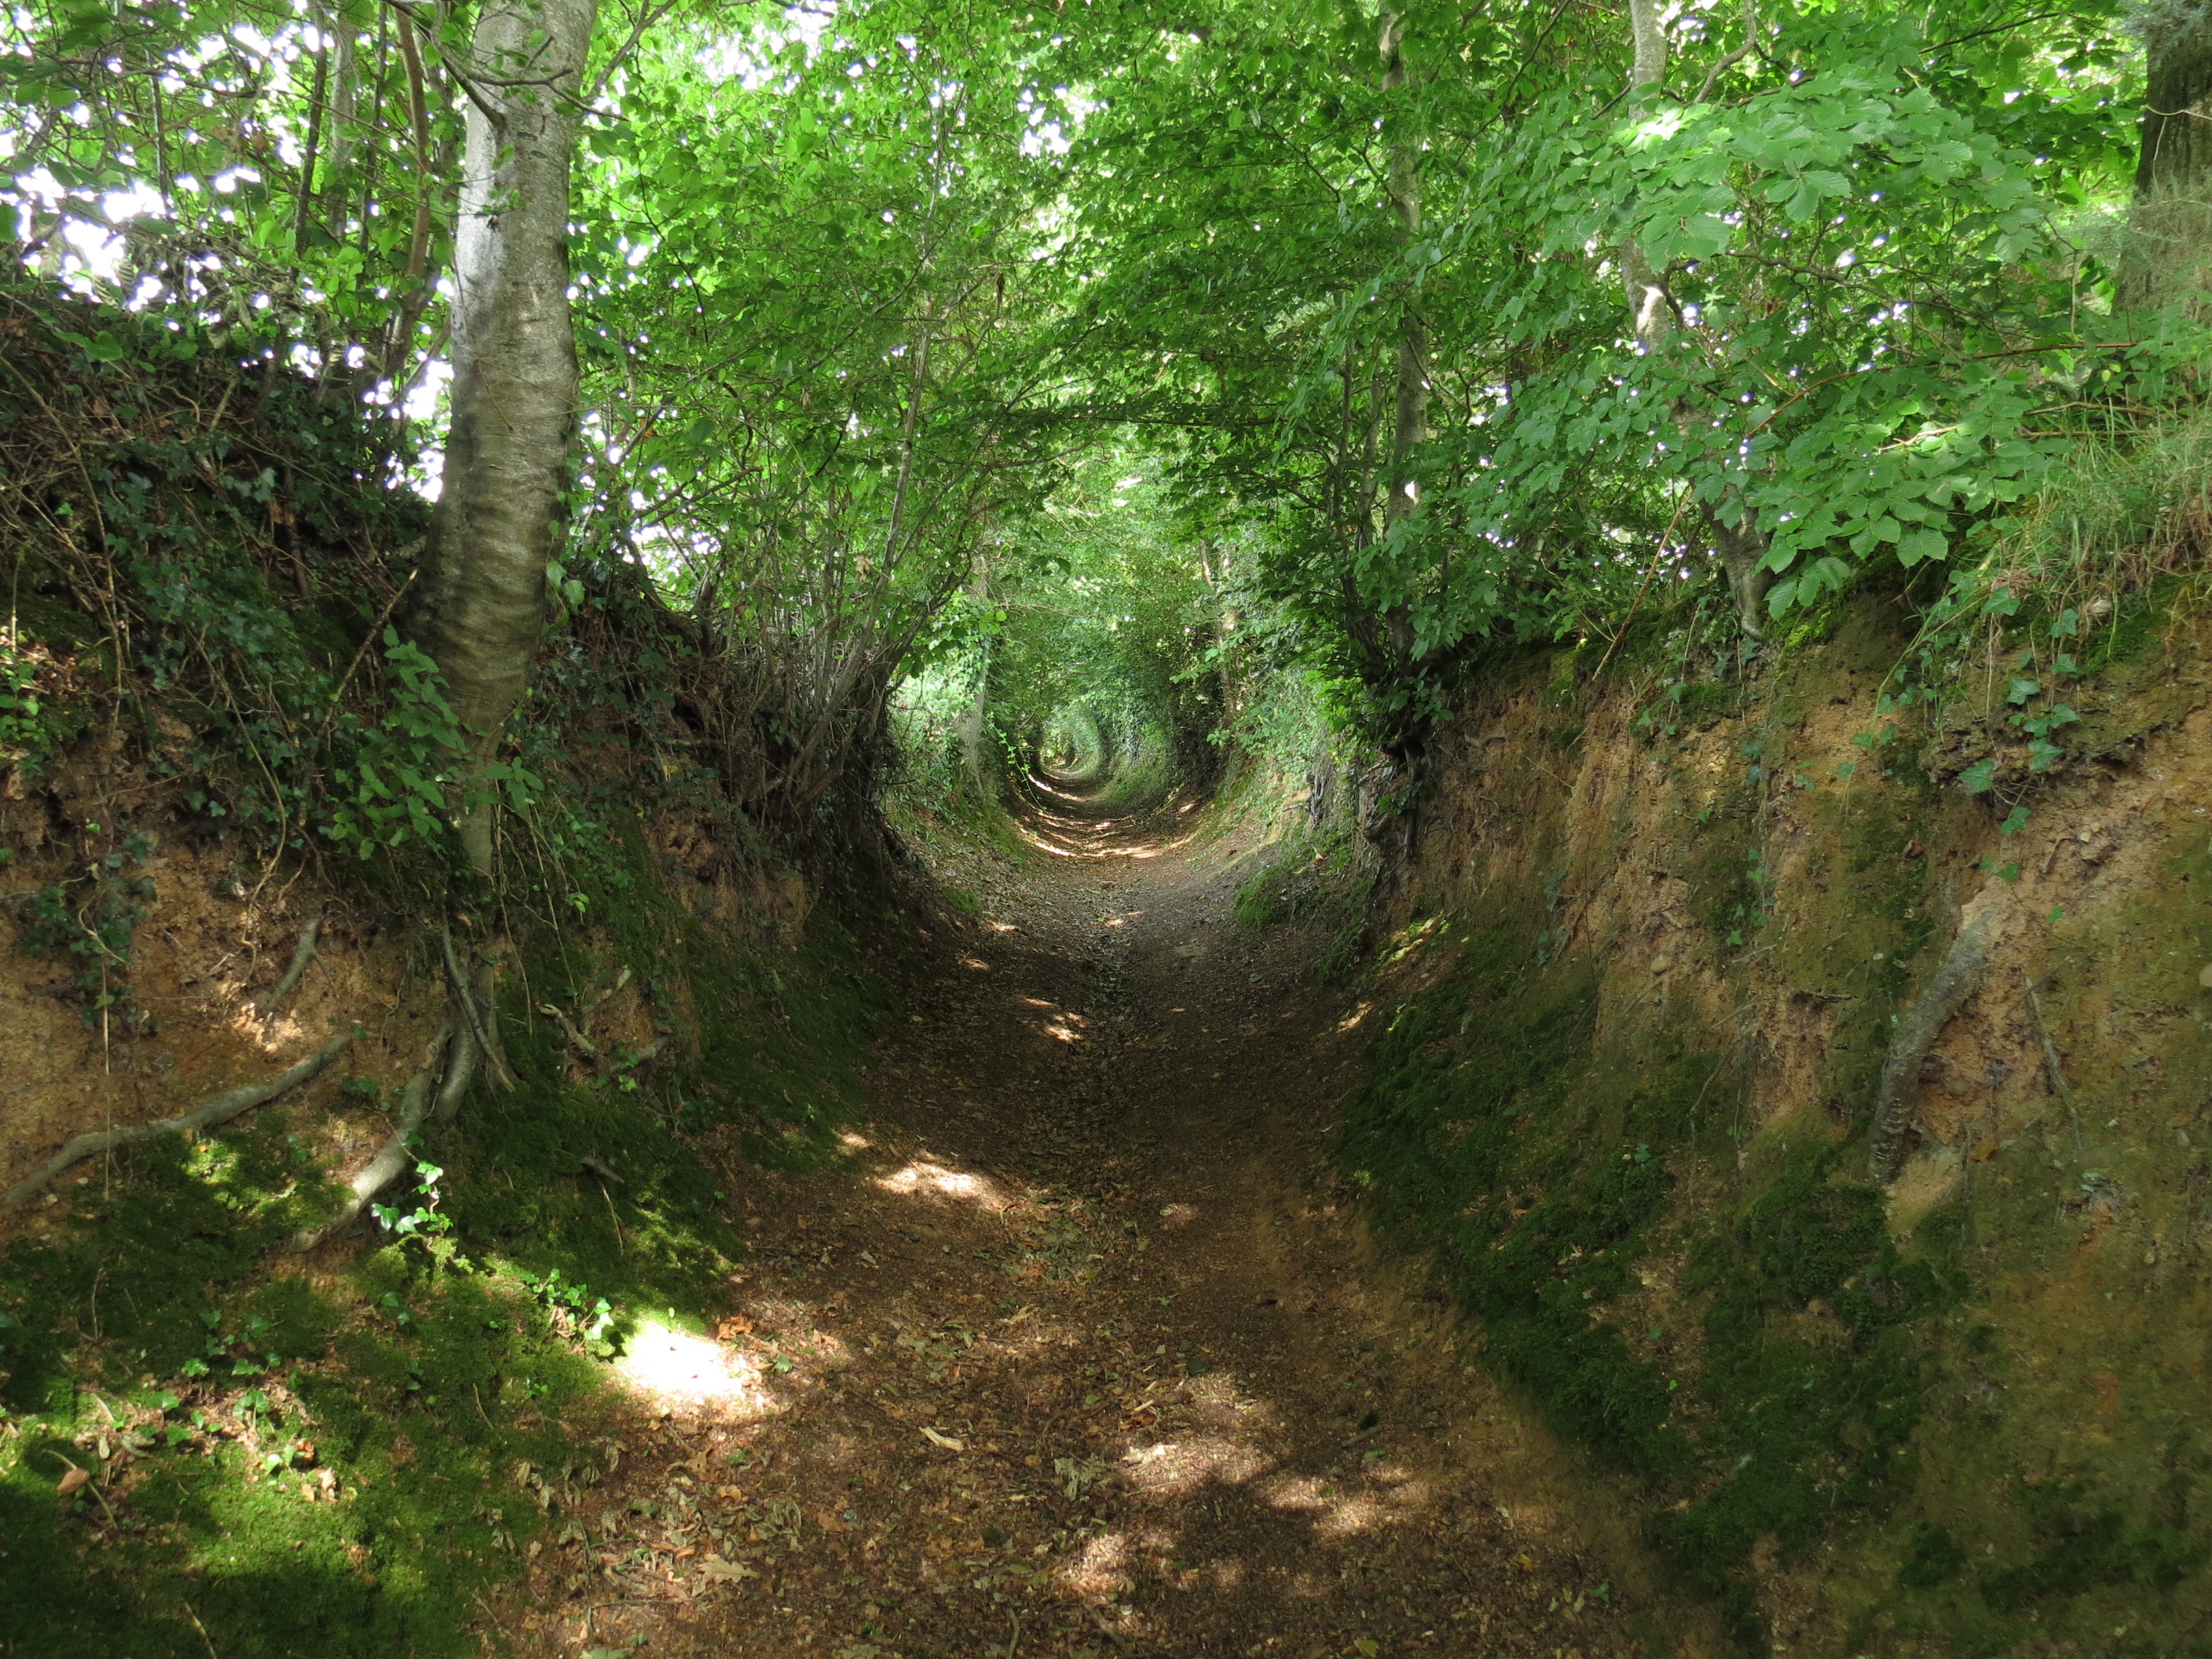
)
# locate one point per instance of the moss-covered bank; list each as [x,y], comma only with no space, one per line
[1643,978]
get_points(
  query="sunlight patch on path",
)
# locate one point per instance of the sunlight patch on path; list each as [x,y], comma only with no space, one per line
[1338,1514]
[1166,1469]
[940,1181]
[676,1368]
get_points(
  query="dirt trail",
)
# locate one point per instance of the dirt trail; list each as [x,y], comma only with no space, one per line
[1079,1356]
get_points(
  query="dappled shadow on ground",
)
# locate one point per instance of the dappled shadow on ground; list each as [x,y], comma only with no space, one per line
[1063,822]
[1071,1356]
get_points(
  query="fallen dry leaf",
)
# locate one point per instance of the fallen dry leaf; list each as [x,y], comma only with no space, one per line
[717,1570]
[944,1440]
[76,1479]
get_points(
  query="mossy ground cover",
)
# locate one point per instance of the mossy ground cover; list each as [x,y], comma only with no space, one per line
[1776,1393]
[292,1461]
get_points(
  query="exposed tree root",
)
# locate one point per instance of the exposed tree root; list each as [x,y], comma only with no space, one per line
[583,1044]
[478,1022]
[300,958]
[1920,1025]
[417,1106]
[2053,1068]
[220,1109]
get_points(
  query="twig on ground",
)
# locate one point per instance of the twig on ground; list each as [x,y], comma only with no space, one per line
[488,1000]
[90,1484]
[301,956]
[1651,570]
[1108,1632]
[368,640]
[585,1002]
[220,1109]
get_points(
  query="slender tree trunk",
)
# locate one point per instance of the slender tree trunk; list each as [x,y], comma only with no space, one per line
[1410,422]
[1741,547]
[1649,305]
[344,117]
[514,354]
[304,212]
[2169,252]
[972,718]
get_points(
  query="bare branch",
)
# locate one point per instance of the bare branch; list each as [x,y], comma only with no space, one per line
[220,1109]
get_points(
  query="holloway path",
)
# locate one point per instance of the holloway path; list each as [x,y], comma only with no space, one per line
[1080,1354]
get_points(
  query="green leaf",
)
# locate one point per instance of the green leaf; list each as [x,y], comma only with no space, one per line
[1916,545]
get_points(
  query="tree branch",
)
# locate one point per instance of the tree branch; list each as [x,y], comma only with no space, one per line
[301,956]
[220,1109]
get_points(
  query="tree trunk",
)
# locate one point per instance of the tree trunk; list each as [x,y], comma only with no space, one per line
[972,718]
[513,353]
[2169,251]
[1741,548]
[1410,427]
[1649,305]
[345,82]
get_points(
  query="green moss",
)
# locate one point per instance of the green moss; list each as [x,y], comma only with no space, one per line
[1935,1558]
[138,1327]
[1726,870]
[1305,879]
[1475,1134]
[2083,1549]
[1701,705]
[1538,1168]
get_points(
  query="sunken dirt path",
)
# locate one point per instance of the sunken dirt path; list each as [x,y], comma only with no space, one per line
[1080,1354]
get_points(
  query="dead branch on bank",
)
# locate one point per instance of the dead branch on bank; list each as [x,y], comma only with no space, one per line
[220,1109]
[304,954]
[1920,1025]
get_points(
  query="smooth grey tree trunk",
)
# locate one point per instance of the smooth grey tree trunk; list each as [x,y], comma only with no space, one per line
[345,87]
[1410,422]
[1741,547]
[973,718]
[513,353]
[2169,249]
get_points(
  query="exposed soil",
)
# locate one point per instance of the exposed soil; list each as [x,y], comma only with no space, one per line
[1078,1353]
